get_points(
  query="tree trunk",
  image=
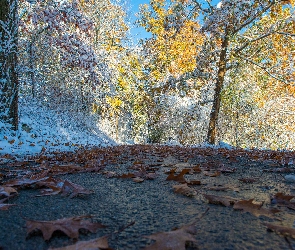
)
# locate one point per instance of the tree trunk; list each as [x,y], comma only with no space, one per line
[211,136]
[8,62]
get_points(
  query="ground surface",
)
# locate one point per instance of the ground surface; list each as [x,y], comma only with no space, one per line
[151,202]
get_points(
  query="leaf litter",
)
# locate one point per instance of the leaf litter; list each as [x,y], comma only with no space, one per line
[181,175]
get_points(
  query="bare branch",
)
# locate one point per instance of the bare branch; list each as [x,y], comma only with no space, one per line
[266,70]
[200,7]
[255,17]
[286,34]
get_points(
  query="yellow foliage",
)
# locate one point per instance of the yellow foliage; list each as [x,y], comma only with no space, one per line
[174,49]
[114,102]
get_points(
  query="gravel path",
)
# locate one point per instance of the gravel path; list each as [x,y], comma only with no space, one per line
[153,205]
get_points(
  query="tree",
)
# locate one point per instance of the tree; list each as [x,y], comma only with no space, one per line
[8,62]
[224,24]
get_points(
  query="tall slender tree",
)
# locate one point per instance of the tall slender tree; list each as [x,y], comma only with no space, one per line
[224,24]
[8,62]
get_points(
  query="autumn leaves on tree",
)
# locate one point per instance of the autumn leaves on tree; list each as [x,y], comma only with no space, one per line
[77,55]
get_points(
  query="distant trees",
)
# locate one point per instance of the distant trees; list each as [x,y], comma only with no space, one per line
[8,62]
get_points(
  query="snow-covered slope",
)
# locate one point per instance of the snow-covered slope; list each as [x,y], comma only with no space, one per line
[51,130]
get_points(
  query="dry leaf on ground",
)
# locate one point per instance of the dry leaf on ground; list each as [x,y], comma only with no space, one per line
[99,243]
[255,209]
[220,200]
[184,190]
[179,177]
[248,180]
[28,180]
[7,192]
[4,206]
[73,190]
[212,174]
[173,240]
[283,200]
[284,231]
[224,188]
[69,226]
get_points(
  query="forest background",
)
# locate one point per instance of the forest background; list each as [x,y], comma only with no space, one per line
[208,72]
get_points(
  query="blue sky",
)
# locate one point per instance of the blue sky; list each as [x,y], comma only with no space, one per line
[139,33]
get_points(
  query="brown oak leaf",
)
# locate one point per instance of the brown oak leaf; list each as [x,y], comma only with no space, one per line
[98,243]
[4,206]
[28,180]
[284,231]
[179,177]
[69,226]
[248,180]
[283,200]
[184,190]
[212,174]
[73,190]
[173,240]
[253,208]
[7,192]
[220,200]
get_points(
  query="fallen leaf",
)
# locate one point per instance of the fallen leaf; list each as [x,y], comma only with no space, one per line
[194,182]
[253,208]
[5,206]
[124,176]
[184,190]
[247,180]
[283,200]
[69,226]
[220,200]
[173,240]
[137,179]
[73,190]
[99,243]
[179,178]
[224,169]
[284,231]
[7,192]
[210,174]
[224,188]
[197,169]
[28,180]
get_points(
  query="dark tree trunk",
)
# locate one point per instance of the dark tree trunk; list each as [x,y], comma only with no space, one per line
[211,136]
[8,62]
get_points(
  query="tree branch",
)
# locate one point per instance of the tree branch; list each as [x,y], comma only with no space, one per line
[253,18]
[265,69]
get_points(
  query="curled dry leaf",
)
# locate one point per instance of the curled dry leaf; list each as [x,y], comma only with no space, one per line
[7,192]
[284,231]
[283,200]
[184,190]
[5,206]
[210,174]
[137,179]
[73,190]
[224,188]
[224,169]
[28,180]
[193,182]
[254,208]
[69,226]
[197,169]
[173,240]
[248,180]
[220,200]
[179,178]
[99,243]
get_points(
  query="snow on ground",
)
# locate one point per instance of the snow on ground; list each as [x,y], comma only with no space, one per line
[45,130]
